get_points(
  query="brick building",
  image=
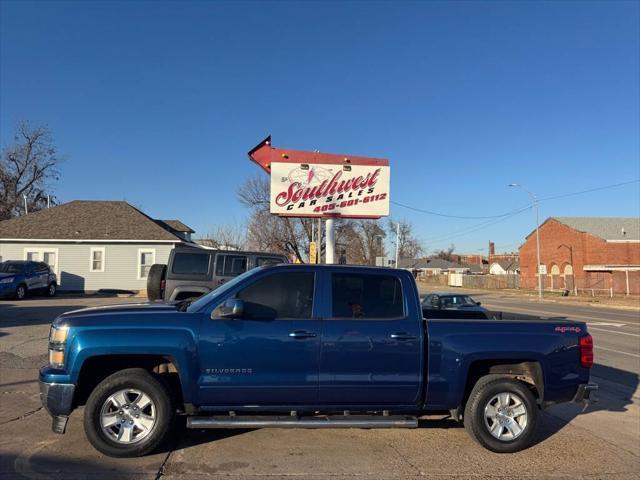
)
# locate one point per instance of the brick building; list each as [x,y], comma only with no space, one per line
[513,257]
[469,258]
[584,253]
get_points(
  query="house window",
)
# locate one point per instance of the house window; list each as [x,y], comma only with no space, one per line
[96,257]
[146,258]
[47,255]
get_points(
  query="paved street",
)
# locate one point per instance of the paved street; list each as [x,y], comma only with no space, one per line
[600,442]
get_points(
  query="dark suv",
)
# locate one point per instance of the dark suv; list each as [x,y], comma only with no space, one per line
[19,278]
[192,272]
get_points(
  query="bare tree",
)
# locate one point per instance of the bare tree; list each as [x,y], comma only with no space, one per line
[266,232]
[27,169]
[226,237]
[409,245]
[445,254]
[362,240]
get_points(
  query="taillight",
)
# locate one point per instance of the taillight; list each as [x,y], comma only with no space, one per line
[163,283]
[586,351]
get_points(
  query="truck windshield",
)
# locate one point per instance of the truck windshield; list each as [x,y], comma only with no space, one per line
[10,267]
[205,299]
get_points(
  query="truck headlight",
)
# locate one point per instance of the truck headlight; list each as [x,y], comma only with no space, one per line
[7,280]
[57,343]
[58,334]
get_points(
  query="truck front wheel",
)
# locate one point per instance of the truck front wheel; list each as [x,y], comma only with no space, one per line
[501,414]
[128,414]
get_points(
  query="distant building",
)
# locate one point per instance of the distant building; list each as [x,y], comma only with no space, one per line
[436,266]
[504,267]
[499,257]
[584,253]
[470,258]
[93,245]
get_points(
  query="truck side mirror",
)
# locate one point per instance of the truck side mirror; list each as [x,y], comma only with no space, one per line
[231,308]
[478,303]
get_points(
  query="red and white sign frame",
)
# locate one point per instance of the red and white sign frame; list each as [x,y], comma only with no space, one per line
[314,184]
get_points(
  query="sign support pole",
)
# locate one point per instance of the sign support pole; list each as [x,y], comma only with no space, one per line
[330,241]
[319,257]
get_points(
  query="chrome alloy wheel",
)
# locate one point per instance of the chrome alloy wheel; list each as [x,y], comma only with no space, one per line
[128,416]
[505,415]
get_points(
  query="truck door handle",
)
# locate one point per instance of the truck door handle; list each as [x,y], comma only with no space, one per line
[402,336]
[302,334]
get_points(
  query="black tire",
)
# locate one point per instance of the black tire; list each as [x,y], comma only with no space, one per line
[156,275]
[52,289]
[486,389]
[21,292]
[131,378]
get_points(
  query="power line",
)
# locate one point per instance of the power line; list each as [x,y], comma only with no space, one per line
[439,214]
[475,228]
[590,190]
[507,214]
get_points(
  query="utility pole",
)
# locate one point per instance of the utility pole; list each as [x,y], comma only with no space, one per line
[397,243]
[535,206]
[26,210]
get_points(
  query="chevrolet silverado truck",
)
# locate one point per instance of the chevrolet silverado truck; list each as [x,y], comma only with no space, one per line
[307,346]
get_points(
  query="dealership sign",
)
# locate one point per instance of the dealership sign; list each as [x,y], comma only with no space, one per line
[331,189]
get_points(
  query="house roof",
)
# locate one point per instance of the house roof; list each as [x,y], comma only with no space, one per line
[175,225]
[86,220]
[421,263]
[508,265]
[442,264]
[607,228]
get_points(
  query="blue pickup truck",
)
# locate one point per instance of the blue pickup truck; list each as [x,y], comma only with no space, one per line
[306,346]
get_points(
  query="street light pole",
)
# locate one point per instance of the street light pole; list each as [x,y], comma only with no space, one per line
[535,206]
[397,243]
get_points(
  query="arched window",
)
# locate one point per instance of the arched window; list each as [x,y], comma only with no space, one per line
[556,281]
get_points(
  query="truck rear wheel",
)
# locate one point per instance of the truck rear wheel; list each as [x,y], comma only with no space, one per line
[501,414]
[128,414]
[155,281]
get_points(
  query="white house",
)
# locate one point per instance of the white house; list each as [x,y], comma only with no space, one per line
[93,245]
[504,267]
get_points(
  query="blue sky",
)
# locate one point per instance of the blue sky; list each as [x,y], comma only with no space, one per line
[158,103]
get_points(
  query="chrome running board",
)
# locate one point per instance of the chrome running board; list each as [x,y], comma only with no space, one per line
[338,421]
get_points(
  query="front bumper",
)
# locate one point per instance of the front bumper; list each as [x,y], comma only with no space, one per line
[57,399]
[7,290]
[583,395]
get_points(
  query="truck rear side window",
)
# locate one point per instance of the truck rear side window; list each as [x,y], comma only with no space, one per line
[262,261]
[366,296]
[230,265]
[190,263]
[281,295]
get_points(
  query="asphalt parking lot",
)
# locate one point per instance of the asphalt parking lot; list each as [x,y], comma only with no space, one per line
[603,441]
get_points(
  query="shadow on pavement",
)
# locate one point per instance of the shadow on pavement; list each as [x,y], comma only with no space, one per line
[52,466]
[40,311]
[615,394]
[12,315]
